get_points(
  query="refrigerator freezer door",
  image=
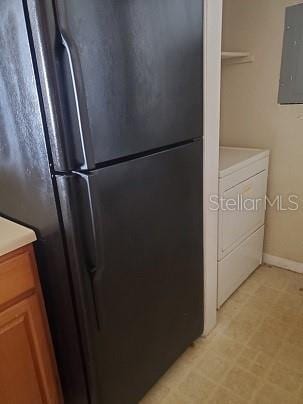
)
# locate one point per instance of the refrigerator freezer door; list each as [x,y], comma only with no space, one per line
[148,286]
[131,75]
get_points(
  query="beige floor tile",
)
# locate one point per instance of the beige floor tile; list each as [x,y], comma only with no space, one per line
[197,387]
[239,331]
[255,354]
[241,382]
[240,297]
[274,278]
[291,356]
[221,326]
[247,356]
[293,301]
[176,374]
[226,347]
[213,366]
[229,308]
[224,396]
[296,336]
[156,395]
[284,313]
[294,284]
[256,362]
[175,398]
[256,275]
[202,344]
[274,325]
[243,325]
[226,313]
[263,299]
[286,377]
[267,338]
[266,344]
[261,274]
[193,354]
[205,342]
[270,394]
[300,396]
[250,286]
[262,363]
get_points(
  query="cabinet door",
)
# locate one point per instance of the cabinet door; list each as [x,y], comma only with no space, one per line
[26,369]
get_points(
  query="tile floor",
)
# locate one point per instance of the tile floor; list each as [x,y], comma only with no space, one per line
[255,354]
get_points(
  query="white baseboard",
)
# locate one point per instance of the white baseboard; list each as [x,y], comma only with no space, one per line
[283,263]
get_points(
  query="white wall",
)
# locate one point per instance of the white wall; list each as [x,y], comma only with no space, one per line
[251,116]
[212,71]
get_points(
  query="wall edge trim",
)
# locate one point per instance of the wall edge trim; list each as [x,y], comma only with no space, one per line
[283,263]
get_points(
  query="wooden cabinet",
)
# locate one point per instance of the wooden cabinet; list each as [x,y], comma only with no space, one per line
[27,368]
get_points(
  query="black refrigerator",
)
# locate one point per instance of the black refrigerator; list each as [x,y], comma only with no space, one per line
[101,154]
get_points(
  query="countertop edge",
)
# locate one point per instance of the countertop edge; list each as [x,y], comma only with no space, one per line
[14,236]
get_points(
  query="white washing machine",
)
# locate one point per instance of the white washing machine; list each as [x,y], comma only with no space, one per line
[242,203]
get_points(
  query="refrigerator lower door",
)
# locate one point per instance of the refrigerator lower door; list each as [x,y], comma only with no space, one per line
[144,259]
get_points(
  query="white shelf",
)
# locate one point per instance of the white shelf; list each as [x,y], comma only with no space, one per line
[233,55]
[236,57]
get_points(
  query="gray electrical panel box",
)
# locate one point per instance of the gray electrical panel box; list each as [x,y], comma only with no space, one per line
[291,78]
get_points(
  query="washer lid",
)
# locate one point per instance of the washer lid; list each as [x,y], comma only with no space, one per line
[235,158]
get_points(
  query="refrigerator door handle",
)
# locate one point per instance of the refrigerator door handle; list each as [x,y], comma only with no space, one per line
[79,97]
[86,158]
[97,261]
[85,259]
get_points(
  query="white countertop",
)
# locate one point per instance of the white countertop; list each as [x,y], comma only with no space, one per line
[235,158]
[14,236]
